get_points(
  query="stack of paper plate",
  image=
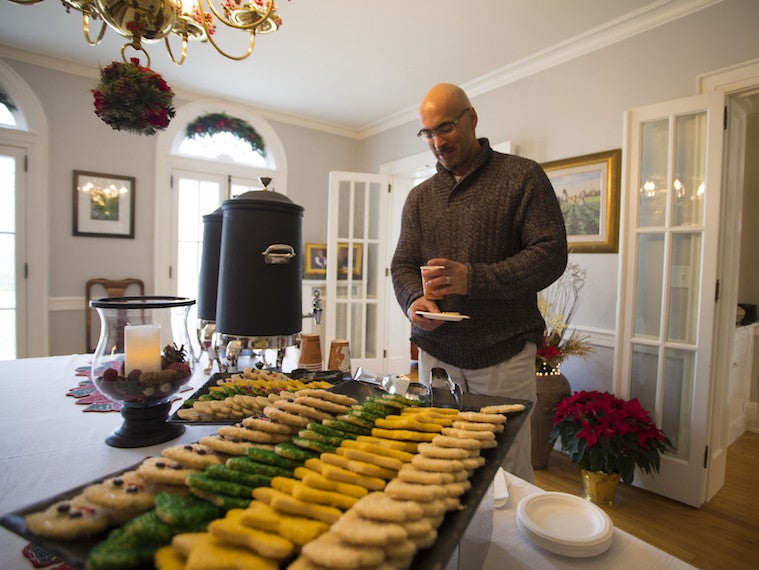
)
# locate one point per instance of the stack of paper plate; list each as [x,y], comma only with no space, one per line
[565,524]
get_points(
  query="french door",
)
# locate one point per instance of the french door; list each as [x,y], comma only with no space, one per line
[668,280]
[357,271]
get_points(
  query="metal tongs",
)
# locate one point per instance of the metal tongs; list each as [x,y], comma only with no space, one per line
[390,383]
[439,379]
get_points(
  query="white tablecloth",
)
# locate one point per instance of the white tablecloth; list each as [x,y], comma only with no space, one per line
[510,549]
[48,445]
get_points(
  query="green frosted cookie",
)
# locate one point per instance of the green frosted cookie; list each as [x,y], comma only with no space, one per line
[271,457]
[219,486]
[252,467]
[120,551]
[184,511]
[224,501]
[231,473]
[313,445]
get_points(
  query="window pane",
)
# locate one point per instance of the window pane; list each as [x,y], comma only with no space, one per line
[649,286]
[357,330]
[189,193]
[644,373]
[374,213]
[685,288]
[678,391]
[371,276]
[8,194]
[690,169]
[653,174]
[222,146]
[7,334]
[359,201]
[6,116]
[341,321]
[371,331]
[8,271]
[343,215]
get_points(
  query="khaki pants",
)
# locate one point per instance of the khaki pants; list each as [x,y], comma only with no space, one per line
[513,378]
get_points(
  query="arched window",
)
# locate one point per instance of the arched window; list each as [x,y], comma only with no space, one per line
[210,152]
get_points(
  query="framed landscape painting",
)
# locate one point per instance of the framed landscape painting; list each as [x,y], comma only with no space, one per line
[588,188]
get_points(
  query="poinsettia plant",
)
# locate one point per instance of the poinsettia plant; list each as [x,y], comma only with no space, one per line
[134,98]
[602,432]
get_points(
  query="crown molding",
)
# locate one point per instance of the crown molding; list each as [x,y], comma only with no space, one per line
[637,22]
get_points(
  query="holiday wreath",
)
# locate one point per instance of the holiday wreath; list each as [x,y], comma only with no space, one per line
[133,98]
[212,123]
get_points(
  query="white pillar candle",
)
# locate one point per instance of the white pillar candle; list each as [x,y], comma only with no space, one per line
[142,348]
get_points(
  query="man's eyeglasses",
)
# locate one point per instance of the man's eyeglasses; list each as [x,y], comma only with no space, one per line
[442,129]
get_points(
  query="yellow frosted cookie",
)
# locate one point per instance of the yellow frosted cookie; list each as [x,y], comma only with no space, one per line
[231,530]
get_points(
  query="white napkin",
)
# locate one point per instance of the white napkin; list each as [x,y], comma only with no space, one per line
[500,489]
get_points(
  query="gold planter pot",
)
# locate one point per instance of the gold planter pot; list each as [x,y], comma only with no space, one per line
[600,487]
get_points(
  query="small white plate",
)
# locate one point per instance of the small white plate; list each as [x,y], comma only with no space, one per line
[443,316]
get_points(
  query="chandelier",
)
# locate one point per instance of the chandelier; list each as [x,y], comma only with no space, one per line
[146,21]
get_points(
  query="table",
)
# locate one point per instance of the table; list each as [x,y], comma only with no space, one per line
[48,445]
[510,549]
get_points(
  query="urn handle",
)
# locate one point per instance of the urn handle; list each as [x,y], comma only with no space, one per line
[278,253]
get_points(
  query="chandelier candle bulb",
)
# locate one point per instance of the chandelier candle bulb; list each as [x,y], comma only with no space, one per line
[142,348]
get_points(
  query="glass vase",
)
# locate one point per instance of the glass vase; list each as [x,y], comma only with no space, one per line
[143,358]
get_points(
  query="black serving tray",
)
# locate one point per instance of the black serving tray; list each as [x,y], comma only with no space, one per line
[456,522]
[436,557]
[331,376]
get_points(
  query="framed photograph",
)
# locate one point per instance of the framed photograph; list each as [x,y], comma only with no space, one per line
[588,188]
[103,205]
[316,260]
[342,260]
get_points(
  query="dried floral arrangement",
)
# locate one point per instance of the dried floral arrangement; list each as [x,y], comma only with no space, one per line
[558,305]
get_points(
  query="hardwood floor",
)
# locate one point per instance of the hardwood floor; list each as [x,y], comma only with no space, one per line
[723,533]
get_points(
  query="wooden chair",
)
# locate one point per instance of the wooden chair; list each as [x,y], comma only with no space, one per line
[112,288]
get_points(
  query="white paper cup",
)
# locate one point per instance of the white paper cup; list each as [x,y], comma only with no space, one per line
[424,269]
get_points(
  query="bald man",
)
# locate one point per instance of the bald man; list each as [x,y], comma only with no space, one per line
[492,223]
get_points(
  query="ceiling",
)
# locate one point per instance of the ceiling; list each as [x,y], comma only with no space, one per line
[354,66]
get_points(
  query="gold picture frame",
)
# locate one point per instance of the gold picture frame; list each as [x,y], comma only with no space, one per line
[588,189]
[316,260]
[103,205]
[342,260]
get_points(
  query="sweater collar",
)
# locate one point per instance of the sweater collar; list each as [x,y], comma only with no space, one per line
[482,158]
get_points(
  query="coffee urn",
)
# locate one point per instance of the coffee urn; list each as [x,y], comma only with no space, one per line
[209,281]
[259,299]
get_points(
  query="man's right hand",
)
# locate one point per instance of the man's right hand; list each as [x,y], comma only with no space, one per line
[422,304]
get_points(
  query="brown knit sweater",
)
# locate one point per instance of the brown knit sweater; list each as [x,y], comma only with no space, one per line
[503,220]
